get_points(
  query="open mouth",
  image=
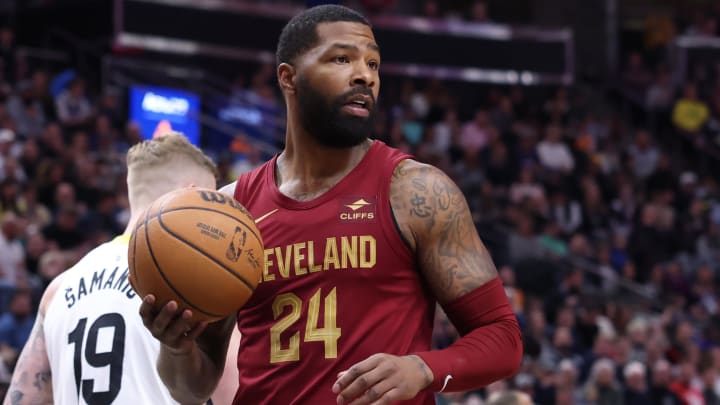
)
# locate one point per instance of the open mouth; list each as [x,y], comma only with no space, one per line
[358,105]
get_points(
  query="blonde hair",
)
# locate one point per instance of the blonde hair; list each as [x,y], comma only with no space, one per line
[161,150]
[163,164]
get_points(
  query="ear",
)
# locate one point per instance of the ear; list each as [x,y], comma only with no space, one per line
[286,77]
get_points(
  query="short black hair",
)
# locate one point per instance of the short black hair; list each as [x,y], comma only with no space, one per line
[300,33]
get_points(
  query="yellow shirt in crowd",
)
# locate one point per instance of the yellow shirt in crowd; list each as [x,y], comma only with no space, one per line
[690,115]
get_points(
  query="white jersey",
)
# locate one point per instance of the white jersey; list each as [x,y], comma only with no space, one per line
[100,353]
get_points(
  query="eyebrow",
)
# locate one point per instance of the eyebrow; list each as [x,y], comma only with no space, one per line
[351,47]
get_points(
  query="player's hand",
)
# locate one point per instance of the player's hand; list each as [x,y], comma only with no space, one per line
[382,379]
[170,326]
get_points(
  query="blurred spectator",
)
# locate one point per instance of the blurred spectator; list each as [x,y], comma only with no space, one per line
[109,107]
[644,156]
[660,31]
[412,129]
[52,264]
[509,398]
[17,322]
[638,333]
[12,253]
[660,391]
[648,243]
[8,147]
[636,392]
[595,213]
[36,246]
[661,92]
[552,241]
[469,173]
[39,83]
[623,209]
[554,154]
[103,218]
[27,111]
[9,196]
[247,161]
[499,168]
[445,132]
[475,134]
[73,107]
[32,210]
[51,142]
[682,386]
[64,230]
[707,245]
[558,107]
[515,295]
[602,388]
[527,188]
[637,76]
[565,212]
[566,294]
[690,113]
[709,379]
[524,243]
[11,170]
[502,115]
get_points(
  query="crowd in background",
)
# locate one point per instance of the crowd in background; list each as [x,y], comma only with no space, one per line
[601,209]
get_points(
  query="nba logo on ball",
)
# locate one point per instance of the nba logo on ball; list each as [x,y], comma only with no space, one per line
[200,248]
[236,244]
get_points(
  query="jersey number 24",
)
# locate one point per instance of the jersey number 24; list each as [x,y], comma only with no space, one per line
[329,333]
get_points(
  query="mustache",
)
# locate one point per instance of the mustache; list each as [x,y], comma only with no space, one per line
[343,98]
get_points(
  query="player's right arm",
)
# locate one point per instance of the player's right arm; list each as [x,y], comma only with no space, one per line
[31,381]
[228,385]
[192,357]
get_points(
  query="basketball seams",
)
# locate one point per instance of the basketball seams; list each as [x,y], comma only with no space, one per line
[159,269]
[133,249]
[199,249]
[195,207]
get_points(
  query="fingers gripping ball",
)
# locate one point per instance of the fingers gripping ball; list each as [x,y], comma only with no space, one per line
[200,248]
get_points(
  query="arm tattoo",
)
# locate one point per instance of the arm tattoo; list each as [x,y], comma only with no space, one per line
[435,218]
[16,398]
[419,206]
[42,379]
[32,382]
[424,368]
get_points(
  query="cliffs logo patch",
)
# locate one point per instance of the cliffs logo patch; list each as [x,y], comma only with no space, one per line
[357,209]
[237,243]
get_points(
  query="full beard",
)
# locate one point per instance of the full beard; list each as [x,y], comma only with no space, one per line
[325,121]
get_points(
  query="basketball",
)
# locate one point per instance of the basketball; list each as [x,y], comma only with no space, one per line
[200,248]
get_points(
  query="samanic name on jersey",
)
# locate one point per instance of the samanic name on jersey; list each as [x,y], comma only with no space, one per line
[100,281]
[298,259]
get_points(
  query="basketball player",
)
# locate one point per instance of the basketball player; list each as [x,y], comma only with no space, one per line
[361,241]
[88,345]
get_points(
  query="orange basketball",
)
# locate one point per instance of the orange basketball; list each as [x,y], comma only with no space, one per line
[200,248]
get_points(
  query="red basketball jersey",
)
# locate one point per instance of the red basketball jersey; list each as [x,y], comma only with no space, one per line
[339,285]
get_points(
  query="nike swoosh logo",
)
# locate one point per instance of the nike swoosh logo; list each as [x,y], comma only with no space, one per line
[257,221]
[447,380]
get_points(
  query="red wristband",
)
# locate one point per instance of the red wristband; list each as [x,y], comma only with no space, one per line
[490,347]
